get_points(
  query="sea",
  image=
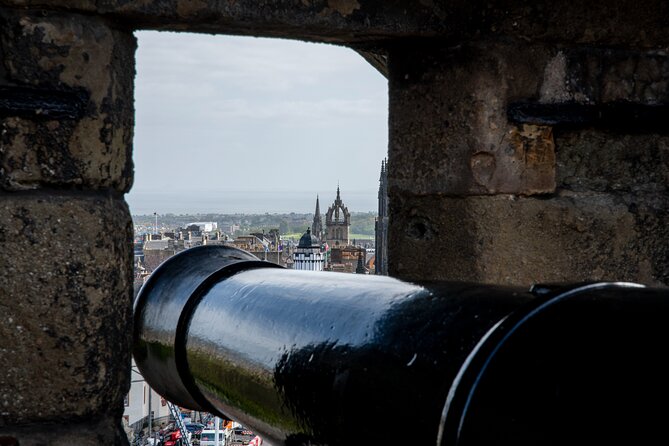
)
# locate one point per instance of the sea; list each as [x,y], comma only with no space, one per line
[245,202]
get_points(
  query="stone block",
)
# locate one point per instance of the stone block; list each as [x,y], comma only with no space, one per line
[593,76]
[523,240]
[75,54]
[91,432]
[449,127]
[65,306]
[599,161]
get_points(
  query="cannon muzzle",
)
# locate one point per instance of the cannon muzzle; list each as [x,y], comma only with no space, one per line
[320,358]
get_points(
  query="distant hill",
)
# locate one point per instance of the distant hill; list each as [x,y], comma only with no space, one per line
[362,223]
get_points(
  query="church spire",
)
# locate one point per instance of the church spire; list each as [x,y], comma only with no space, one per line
[317,225]
[383,189]
[381,224]
[337,223]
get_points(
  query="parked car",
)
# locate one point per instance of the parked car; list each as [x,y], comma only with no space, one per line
[208,437]
[241,436]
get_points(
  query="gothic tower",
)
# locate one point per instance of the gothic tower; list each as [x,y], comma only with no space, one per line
[381,224]
[337,223]
[317,225]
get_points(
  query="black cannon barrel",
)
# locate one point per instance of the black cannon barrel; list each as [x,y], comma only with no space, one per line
[338,359]
[579,365]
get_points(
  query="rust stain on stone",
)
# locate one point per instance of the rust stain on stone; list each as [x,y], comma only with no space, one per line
[344,7]
[535,143]
[534,149]
[187,8]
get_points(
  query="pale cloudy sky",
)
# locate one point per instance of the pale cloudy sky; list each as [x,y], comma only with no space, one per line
[238,124]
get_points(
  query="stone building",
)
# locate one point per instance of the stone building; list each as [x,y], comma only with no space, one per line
[142,402]
[344,259]
[251,243]
[381,225]
[308,256]
[527,143]
[262,247]
[157,251]
[337,223]
[342,256]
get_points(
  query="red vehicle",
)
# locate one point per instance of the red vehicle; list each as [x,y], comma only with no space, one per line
[172,439]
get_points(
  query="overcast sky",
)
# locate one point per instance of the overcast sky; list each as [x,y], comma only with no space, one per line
[242,124]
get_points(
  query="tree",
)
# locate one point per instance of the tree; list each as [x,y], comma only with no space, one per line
[283,227]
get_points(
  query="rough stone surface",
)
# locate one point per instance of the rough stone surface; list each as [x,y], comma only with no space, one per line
[520,241]
[593,75]
[448,111]
[448,123]
[610,162]
[68,52]
[91,432]
[600,22]
[339,21]
[65,306]
[460,172]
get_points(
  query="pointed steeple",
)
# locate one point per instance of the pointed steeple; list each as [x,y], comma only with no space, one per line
[317,225]
[381,224]
[383,189]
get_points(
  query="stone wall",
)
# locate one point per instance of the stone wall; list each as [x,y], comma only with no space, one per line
[65,230]
[534,197]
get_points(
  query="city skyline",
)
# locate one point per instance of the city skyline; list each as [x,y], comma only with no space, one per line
[237,124]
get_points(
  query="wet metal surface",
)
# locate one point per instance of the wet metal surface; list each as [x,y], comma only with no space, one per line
[579,366]
[159,308]
[320,358]
[303,356]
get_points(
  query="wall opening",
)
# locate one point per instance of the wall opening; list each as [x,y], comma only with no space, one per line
[237,124]
[235,135]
